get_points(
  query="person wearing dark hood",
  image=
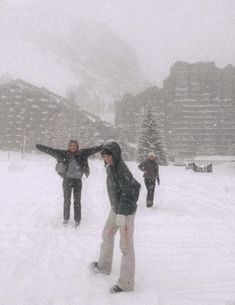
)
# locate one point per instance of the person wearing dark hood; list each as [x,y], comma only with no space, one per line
[151,174]
[123,191]
[75,164]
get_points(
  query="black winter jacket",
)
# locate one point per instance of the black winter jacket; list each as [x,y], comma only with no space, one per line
[65,156]
[150,169]
[123,189]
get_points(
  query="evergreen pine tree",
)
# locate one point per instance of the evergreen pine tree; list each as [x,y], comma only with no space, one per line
[150,139]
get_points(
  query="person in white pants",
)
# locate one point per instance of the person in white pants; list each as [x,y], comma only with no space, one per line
[123,191]
[126,227]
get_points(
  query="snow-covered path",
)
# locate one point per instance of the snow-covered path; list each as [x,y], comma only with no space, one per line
[185,244]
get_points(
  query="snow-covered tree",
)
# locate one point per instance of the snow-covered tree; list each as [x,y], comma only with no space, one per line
[150,139]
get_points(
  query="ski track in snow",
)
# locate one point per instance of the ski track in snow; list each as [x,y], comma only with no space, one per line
[185,244]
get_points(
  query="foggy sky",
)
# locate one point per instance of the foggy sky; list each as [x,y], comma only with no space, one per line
[161,31]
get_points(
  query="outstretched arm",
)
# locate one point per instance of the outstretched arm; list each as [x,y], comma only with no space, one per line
[56,153]
[92,150]
[157,175]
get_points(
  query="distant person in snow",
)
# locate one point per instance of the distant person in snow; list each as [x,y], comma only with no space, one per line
[151,174]
[74,164]
[123,191]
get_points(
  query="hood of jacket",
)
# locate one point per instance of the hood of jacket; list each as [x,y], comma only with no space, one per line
[115,149]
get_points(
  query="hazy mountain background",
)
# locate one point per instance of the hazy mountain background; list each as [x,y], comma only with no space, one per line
[82,59]
[95,51]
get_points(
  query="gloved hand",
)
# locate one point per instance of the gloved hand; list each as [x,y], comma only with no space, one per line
[120,220]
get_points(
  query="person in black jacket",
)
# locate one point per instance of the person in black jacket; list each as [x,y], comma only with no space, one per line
[76,164]
[123,191]
[151,174]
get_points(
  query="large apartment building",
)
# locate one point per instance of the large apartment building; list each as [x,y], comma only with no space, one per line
[200,103]
[195,110]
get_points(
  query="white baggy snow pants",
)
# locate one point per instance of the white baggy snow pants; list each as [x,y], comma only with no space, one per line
[127,270]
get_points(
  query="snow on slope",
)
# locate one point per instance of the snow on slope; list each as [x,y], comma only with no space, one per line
[185,244]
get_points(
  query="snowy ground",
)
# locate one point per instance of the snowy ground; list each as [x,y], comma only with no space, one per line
[185,244]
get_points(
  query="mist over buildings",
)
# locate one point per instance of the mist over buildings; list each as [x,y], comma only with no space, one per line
[99,50]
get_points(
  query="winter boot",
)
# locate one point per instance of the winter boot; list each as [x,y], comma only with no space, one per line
[116,289]
[96,269]
[149,203]
[65,222]
[77,223]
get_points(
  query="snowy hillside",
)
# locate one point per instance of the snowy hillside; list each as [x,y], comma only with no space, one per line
[185,244]
[71,56]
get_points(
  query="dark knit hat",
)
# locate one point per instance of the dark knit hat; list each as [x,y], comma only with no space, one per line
[106,151]
[73,141]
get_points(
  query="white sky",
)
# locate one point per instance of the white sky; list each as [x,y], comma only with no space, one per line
[161,31]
